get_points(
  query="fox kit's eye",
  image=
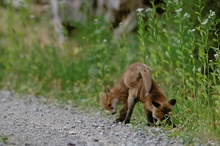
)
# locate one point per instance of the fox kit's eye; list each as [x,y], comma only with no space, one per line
[109,105]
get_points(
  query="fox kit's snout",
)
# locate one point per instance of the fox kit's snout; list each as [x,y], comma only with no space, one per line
[113,106]
[108,102]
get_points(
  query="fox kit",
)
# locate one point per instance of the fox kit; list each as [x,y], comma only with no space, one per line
[156,105]
[136,84]
[127,88]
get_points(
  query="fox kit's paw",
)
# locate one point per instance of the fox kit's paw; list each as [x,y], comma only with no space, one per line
[149,124]
[173,125]
[118,120]
[127,121]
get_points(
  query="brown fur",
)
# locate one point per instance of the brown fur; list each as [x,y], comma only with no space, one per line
[126,90]
[156,104]
[132,87]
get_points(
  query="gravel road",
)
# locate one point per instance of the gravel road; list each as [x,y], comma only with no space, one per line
[34,121]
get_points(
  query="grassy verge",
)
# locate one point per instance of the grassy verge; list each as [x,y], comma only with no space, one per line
[175,45]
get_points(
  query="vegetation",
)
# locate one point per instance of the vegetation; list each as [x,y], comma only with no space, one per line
[176,45]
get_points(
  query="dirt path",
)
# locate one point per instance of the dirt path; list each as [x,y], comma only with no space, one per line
[31,121]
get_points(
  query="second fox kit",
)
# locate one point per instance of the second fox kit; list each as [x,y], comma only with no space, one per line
[136,84]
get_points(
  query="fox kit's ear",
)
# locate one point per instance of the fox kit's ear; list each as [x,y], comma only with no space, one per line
[155,104]
[172,102]
[107,90]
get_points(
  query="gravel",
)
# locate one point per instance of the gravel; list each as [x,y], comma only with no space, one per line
[35,121]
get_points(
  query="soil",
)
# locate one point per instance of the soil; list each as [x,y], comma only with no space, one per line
[30,120]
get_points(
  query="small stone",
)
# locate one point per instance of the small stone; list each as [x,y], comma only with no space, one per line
[95,140]
[3,100]
[65,128]
[80,121]
[73,126]
[71,144]
[27,144]
[72,132]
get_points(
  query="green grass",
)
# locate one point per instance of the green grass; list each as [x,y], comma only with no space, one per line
[4,139]
[174,45]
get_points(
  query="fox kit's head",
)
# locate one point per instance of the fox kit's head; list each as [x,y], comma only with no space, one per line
[109,101]
[162,111]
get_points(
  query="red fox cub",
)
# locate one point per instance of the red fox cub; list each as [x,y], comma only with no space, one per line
[156,105]
[126,90]
[136,84]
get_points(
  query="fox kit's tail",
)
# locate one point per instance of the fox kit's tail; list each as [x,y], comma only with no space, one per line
[147,79]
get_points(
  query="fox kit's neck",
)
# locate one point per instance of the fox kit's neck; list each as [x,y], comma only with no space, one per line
[156,91]
[120,88]
[120,92]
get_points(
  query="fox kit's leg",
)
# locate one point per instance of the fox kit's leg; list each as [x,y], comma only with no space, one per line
[149,117]
[131,102]
[123,113]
